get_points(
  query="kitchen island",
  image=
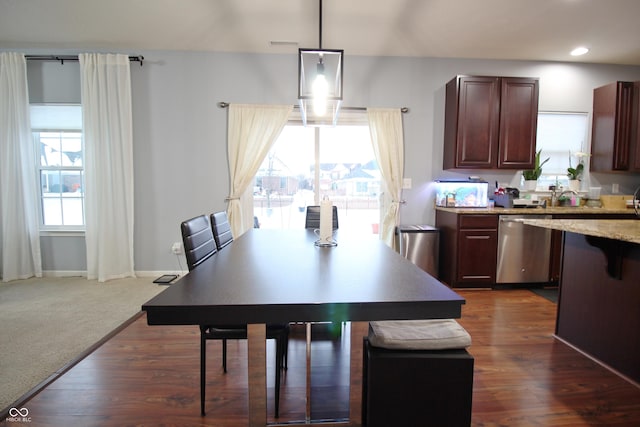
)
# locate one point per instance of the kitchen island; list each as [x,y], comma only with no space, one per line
[624,230]
[599,299]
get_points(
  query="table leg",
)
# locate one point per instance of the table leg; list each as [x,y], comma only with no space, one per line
[257,365]
[308,399]
[358,331]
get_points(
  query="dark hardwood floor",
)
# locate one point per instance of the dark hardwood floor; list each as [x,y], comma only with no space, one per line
[149,375]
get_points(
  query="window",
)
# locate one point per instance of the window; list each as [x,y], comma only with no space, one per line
[57,136]
[562,138]
[306,164]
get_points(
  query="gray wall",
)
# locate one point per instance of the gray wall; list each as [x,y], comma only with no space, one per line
[180,133]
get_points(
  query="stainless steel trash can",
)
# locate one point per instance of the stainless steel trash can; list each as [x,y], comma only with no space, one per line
[420,244]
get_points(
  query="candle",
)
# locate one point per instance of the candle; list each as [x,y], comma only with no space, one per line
[326,220]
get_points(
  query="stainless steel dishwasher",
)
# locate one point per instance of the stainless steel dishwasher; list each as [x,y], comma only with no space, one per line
[523,250]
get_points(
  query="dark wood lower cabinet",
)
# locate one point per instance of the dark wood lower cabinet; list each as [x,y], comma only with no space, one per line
[477,257]
[468,249]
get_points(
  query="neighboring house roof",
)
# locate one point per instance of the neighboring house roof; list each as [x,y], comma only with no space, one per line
[358,173]
[371,165]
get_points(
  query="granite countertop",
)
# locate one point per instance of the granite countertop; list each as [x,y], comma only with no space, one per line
[627,230]
[582,210]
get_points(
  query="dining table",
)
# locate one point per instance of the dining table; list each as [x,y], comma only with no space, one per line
[277,276]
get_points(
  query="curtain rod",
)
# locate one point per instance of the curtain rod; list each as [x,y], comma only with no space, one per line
[403,109]
[62,58]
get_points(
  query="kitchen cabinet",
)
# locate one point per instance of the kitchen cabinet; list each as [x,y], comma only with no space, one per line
[635,132]
[468,250]
[490,122]
[469,245]
[615,143]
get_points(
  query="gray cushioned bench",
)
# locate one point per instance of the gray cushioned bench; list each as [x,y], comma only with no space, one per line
[417,373]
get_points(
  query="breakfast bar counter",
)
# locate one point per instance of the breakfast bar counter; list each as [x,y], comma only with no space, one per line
[599,299]
[625,230]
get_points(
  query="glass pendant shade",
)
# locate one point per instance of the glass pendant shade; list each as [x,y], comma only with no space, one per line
[320,85]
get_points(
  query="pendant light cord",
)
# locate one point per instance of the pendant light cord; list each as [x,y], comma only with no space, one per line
[320,26]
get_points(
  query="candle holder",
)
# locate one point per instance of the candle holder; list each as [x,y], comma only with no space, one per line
[328,242]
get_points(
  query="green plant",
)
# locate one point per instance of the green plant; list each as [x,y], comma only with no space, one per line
[575,173]
[534,174]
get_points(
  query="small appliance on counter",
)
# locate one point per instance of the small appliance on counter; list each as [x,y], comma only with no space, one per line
[504,197]
[504,200]
[510,198]
[462,194]
[525,203]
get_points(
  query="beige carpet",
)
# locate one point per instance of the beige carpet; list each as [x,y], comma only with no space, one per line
[48,322]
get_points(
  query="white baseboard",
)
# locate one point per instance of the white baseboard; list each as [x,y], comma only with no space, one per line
[64,273]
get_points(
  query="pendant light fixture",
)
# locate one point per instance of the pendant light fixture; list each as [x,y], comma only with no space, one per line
[320,83]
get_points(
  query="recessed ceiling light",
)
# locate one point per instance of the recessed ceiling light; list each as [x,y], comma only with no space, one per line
[579,51]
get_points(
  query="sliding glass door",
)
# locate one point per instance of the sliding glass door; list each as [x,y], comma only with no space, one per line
[307,164]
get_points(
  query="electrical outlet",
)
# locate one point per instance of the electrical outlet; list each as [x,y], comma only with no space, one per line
[406,184]
[176,248]
[615,188]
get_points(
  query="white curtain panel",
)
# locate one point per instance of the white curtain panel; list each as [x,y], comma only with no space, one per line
[252,131]
[19,224]
[386,130]
[108,139]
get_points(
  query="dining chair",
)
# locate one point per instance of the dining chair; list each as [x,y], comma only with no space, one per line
[221,229]
[198,241]
[200,245]
[312,218]
[223,236]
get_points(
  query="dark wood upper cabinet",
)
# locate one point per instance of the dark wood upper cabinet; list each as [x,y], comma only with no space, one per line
[518,123]
[471,123]
[615,145]
[635,134]
[490,122]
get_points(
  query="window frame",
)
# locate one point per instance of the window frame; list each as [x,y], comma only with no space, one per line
[559,176]
[36,131]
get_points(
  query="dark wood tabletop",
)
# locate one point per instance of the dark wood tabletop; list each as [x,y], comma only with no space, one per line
[275,276]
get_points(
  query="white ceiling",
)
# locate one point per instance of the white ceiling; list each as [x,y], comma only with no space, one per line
[492,29]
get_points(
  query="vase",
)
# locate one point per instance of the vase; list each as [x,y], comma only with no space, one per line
[574,185]
[530,185]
